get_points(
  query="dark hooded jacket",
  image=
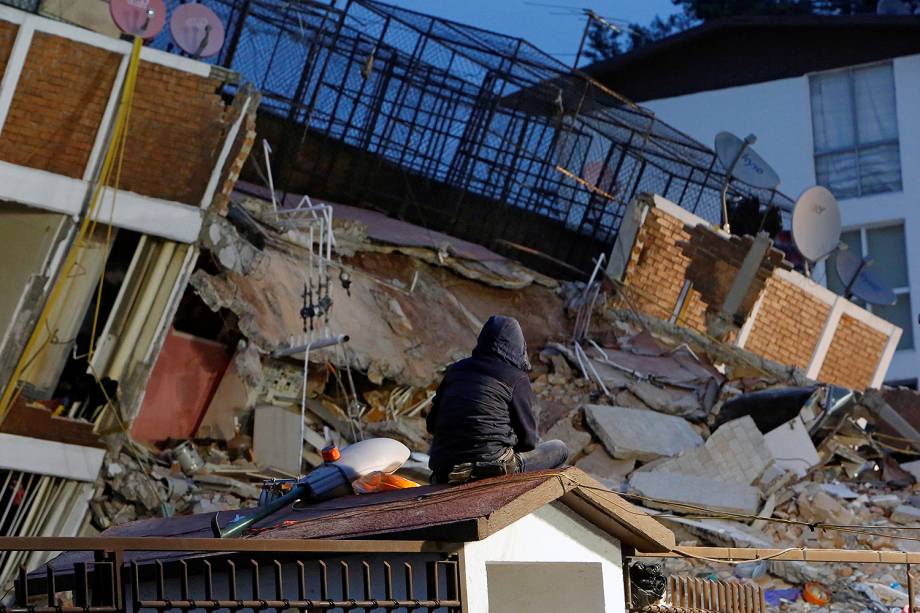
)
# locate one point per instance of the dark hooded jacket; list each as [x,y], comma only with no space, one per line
[484,403]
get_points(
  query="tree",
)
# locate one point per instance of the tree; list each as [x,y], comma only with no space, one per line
[603,42]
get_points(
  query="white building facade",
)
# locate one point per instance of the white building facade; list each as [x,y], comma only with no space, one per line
[855,130]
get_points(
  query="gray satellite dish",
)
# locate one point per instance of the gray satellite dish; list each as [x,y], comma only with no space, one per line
[743,163]
[859,281]
[816,223]
[892,7]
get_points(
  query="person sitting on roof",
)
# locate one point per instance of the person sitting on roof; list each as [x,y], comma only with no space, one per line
[482,416]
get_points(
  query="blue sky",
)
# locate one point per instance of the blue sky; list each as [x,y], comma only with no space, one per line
[554,30]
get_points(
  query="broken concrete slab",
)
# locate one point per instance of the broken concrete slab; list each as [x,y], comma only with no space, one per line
[792,448]
[602,467]
[672,401]
[822,508]
[641,434]
[566,432]
[736,452]
[696,491]
[913,468]
[906,514]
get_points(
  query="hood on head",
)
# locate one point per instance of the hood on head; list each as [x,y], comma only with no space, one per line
[503,338]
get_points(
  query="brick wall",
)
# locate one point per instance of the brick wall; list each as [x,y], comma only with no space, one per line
[853,354]
[788,324]
[176,131]
[657,269]
[7,38]
[178,121]
[58,104]
[672,246]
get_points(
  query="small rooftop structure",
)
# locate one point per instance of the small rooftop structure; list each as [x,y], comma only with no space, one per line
[503,544]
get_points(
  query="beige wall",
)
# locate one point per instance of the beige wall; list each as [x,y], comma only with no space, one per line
[26,238]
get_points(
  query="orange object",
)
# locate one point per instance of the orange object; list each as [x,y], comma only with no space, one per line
[816,593]
[331,453]
[381,482]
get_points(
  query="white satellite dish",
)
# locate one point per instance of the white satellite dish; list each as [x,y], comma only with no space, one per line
[816,223]
[859,281]
[743,163]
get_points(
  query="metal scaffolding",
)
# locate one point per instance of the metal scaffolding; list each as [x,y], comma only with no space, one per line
[456,128]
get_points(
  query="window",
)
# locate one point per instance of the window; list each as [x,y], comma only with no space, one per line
[885,246]
[856,131]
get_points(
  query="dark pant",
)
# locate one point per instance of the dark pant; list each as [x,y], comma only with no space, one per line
[548,454]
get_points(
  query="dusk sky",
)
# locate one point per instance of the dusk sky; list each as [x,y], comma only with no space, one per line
[542,22]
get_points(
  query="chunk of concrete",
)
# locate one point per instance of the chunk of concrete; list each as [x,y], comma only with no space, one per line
[667,399]
[695,490]
[906,514]
[602,467]
[913,468]
[641,434]
[736,452]
[566,432]
[791,445]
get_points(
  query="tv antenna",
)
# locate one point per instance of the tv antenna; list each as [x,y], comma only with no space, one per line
[143,18]
[743,163]
[859,281]
[816,224]
[197,30]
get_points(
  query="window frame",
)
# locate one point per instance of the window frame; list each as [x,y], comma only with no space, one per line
[858,146]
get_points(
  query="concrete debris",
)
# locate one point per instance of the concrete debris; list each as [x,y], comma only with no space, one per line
[563,430]
[736,452]
[604,468]
[906,514]
[642,434]
[672,490]
[791,447]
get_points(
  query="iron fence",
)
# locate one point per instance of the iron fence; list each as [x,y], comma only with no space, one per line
[122,575]
[456,128]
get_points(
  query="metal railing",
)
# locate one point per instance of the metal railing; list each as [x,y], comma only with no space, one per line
[693,595]
[455,128]
[122,575]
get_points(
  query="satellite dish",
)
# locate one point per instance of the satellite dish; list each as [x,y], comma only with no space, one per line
[743,163]
[197,30]
[892,7]
[144,18]
[859,281]
[816,223]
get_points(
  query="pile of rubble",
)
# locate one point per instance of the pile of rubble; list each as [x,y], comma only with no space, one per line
[737,453]
[725,447]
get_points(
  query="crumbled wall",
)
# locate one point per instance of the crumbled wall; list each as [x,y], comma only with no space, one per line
[58,105]
[790,319]
[853,354]
[788,324]
[657,268]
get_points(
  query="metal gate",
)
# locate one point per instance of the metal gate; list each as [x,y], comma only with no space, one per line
[692,595]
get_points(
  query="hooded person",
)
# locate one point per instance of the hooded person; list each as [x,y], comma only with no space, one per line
[482,414]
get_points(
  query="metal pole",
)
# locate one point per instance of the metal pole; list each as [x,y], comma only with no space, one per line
[749,140]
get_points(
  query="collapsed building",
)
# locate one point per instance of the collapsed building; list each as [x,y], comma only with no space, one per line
[162,344]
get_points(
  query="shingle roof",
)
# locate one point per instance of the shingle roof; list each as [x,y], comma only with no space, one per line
[468,512]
